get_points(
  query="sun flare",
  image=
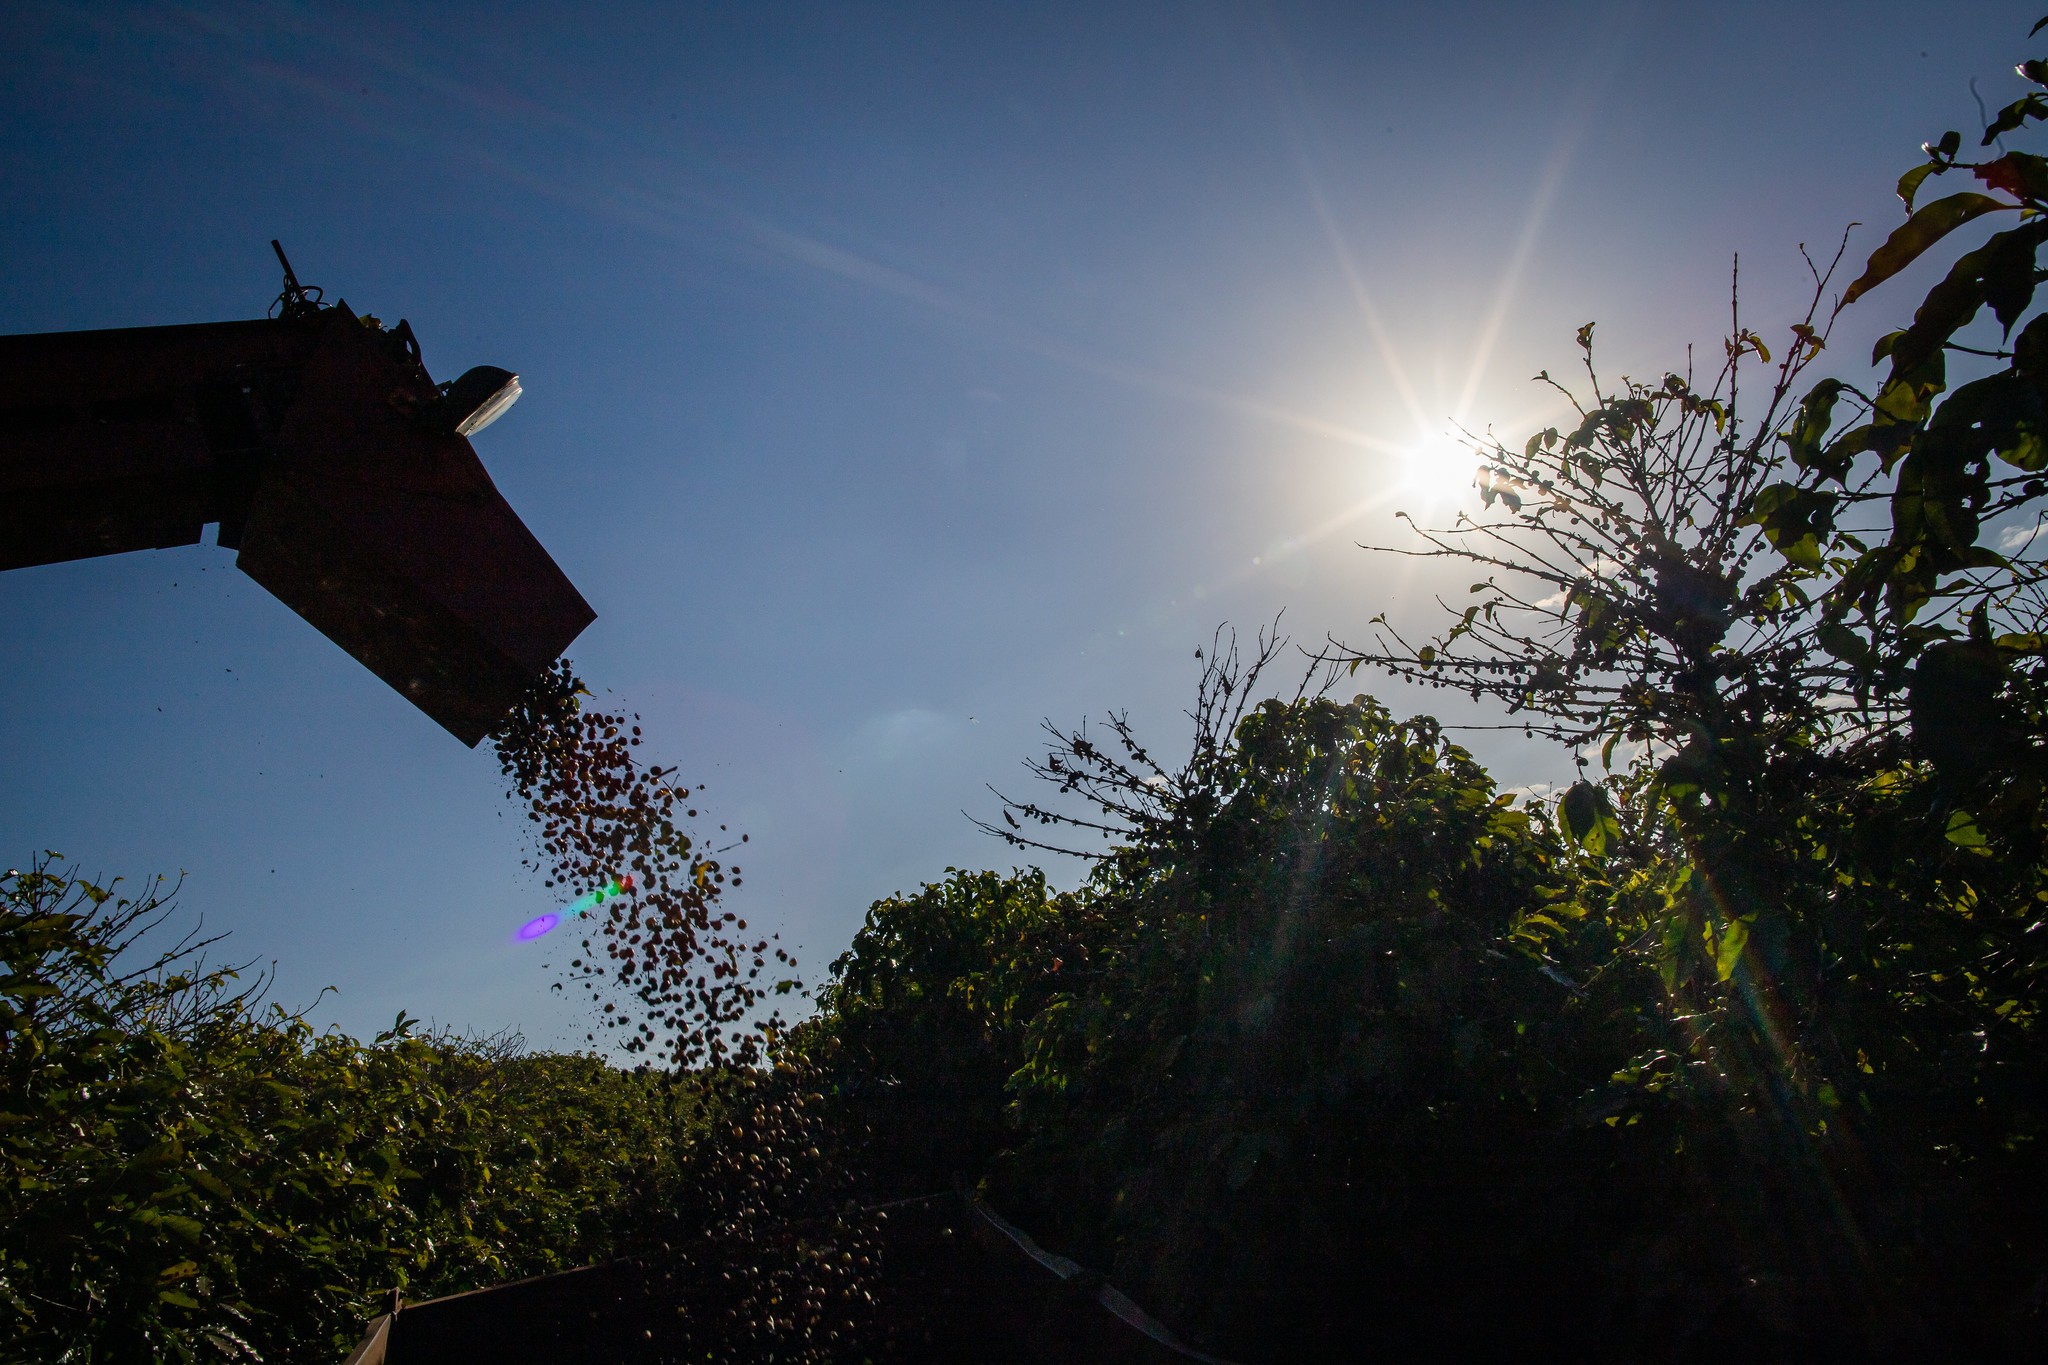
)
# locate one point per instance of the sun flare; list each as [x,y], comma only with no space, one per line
[1434,473]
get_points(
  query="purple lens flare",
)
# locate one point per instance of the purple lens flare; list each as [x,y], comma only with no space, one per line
[534,928]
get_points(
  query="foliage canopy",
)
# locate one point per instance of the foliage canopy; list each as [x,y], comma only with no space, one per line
[188,1176]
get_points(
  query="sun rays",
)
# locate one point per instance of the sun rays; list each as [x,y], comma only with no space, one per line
[1427,472]
[1406,452]
[1436,463]
[1415,456]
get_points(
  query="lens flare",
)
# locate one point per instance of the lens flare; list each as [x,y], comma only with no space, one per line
[582,905]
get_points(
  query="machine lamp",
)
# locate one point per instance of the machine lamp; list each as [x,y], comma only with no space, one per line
[477,399]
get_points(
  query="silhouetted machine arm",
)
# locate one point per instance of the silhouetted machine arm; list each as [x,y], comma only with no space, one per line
[332,462]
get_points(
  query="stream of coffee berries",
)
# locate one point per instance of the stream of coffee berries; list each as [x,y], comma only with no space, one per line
[670,971]
[764,1223]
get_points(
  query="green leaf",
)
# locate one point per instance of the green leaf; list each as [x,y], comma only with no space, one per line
[189,1228]
[2001,413]
[1962,831]
[211,1183]
[1670,960]
[1910,182]
[1926,227]
[1908,395]
[1887,441]
[1588,818]
[2001,273]
[1810,426]
[1728,950]
[2008,267]
[2013,115]
[1845,644]
[1797,521]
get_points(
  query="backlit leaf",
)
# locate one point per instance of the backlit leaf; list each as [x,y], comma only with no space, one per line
[1926,227]
[1728,948]
[1588,818]
[1910,182]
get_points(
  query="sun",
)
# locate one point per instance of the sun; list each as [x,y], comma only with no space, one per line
[1434,473]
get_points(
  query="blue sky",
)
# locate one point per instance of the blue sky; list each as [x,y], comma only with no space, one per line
[896,375]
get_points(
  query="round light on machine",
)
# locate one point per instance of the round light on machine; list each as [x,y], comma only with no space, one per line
[479,398]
